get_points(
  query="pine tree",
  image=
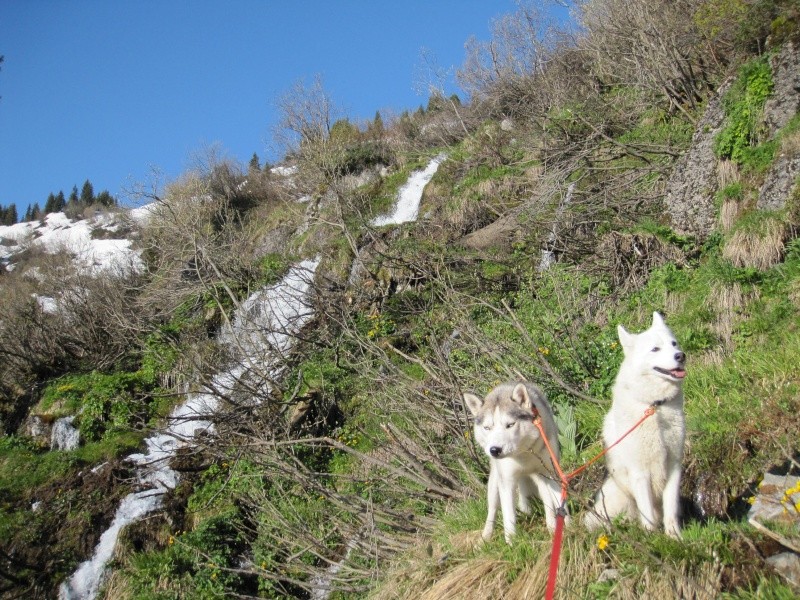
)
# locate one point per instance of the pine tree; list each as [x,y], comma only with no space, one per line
[87,193]
[50,205]
[28,214]
[36,212]
[60,201]
[254,164]
[73,195]
[105,199]
[11,214]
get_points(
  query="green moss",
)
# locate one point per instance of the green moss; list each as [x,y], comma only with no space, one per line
[743,104]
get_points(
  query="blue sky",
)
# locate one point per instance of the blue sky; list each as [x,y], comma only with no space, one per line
[105,90]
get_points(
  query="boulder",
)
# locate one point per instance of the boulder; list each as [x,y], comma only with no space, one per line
[693,182]
[784,102]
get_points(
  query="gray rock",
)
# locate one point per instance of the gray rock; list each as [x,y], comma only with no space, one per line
[786,564]
[693,182]
[774,502]
[779,109]
[780,181]
[608,575]
[38,428]
[784,102]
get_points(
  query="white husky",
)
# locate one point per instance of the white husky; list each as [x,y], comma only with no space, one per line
[644,470]
[519,460]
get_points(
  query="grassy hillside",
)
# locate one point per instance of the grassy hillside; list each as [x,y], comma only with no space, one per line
[355,469]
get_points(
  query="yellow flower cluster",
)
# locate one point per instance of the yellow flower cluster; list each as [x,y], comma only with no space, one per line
[787,498]
[603,542]
[544,350]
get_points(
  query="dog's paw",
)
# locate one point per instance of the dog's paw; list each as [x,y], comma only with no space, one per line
[673,530]
[486,534]
[592,521]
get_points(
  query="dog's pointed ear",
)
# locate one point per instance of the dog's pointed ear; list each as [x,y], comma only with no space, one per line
[474,404]
[626,339]
[521,397]
[658,320]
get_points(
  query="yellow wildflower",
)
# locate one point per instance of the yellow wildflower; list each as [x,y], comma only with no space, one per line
[603,542]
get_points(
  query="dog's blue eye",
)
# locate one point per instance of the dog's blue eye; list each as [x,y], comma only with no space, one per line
[656,349]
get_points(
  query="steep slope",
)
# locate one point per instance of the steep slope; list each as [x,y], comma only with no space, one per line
[350,470]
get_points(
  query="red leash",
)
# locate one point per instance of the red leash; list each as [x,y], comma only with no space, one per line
[561,513]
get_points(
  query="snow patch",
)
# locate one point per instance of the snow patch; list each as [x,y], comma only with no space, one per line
[410,195]
[58,233]
[263,330]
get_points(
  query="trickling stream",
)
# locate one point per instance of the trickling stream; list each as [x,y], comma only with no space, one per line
[64,435]
[260,334]
[410,195]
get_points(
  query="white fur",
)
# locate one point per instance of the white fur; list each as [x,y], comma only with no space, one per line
[644,470]
[519,461]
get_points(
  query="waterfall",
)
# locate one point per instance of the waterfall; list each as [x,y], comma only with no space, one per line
[260,334]
[64,435]
[410,195]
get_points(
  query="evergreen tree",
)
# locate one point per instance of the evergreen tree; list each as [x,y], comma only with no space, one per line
[11,214]
[28,214]
[50,205]
[36,212]
[60,201]
[87,193]
[106,199]
[254,164]
[73,195]
[376,126]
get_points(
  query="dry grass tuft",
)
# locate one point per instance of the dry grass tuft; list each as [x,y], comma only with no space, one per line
[727,173]
[728,214]
[476,579]
[790,144]
[470,576]
[759,248]
[727,302]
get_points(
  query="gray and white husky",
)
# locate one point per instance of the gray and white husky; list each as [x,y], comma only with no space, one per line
[644,470]
[519,460]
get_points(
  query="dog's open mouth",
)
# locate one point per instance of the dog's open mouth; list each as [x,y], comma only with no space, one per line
[675,373]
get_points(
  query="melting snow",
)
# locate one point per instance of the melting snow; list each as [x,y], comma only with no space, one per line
[284,171]
[64,435]
[410,195]
[262,332]
[58,233]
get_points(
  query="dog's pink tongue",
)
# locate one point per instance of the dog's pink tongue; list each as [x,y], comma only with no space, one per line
[678,373]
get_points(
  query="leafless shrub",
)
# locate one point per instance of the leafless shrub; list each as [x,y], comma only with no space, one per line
[55,317]
[650,46]
[629,258]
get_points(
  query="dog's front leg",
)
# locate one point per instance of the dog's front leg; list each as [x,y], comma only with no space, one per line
[492,499]
[643,494]
[507,487]
[550,494]
[672,503]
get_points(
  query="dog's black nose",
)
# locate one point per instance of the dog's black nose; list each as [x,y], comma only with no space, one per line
[495,451]
[680,357]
